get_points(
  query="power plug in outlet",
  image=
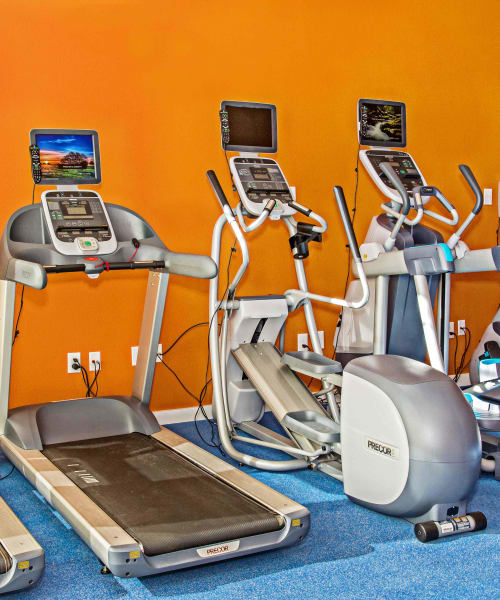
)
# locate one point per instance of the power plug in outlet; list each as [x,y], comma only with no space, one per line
[71,358]
[452,329]
[461,327]
[135,350]
[302,341]
[93,358]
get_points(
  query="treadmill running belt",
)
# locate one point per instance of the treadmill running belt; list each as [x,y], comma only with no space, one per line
[160,498]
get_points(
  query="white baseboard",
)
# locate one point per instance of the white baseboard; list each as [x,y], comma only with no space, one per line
[464,380]
[180,415]
[183,415]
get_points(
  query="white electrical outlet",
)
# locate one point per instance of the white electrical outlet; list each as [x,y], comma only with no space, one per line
[322,339]
[135,350]
[488,196]
[452,329]
[461,327]
[94,356]
[71,356]
[302,341]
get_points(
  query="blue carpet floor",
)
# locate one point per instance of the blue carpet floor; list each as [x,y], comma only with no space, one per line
[350,552]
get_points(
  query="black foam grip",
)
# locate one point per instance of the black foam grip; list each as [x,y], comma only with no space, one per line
[471,180]
[304,211]
[216,186]
[346,220]
[64,268]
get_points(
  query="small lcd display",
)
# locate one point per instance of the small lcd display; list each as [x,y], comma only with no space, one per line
[262,174]
[76,210]
[66,156]
[252,126]
[382,123]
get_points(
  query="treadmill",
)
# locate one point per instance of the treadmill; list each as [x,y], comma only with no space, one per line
[144,499]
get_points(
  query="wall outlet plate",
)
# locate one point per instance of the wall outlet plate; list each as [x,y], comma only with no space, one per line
[135,350]
[71,356]
[302,341]
[461,327]
[94,356]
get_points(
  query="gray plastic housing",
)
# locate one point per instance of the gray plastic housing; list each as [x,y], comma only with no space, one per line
[443,437]
[26,247]
[38,425]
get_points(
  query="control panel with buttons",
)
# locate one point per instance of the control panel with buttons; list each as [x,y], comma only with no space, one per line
[403,165]
[259,180]
[78,222]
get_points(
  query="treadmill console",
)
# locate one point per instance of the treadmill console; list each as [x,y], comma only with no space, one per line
[402,163]
[259,180]
[78,222]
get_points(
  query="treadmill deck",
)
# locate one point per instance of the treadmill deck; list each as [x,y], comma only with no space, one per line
[161,499]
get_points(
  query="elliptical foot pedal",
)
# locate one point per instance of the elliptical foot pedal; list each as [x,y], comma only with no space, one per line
[432,530]
[311,363]
[312,425]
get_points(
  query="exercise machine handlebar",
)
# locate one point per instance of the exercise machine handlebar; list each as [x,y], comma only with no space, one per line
[216,186]
[472,181]
[405,205]
[473,184]
[295,297]
[346,221]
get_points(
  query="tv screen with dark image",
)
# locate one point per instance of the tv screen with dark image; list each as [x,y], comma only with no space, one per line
[382,123]
[252,126]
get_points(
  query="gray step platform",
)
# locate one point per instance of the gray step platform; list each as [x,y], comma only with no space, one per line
[284,393]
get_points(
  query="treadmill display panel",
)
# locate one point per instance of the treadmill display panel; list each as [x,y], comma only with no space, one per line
[382,123]
[77,214]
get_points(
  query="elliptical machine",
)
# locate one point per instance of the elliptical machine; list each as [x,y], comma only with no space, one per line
[404,281]
[385,441]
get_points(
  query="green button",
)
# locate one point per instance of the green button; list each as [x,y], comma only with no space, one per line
[88,243]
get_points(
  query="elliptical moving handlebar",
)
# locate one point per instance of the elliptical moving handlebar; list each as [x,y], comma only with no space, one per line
[471,180]
[396,182]
[346,220]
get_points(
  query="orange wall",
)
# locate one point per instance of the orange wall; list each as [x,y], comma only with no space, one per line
[149,77]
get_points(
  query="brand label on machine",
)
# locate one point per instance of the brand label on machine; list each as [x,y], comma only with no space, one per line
[382,448]
[219,549]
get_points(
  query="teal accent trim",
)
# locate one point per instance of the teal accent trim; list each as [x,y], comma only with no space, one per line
[490,361]
[447,252]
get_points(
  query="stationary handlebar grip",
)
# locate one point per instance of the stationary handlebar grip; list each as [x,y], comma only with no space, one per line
[216,186]
[346,220]
[471,180]
[396,182]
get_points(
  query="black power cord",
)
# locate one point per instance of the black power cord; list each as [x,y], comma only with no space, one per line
[213,441]
[9,473]
[459,368]
[89,385]
[21,303]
